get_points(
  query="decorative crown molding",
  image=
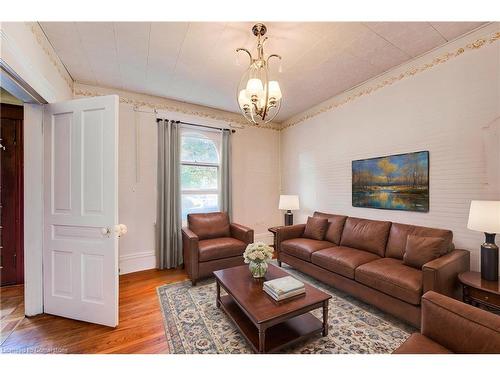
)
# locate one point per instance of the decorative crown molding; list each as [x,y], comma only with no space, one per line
[42,41]
[479,43]
[173,108]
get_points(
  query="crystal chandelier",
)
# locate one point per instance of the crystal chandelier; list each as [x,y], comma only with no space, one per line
[259,97]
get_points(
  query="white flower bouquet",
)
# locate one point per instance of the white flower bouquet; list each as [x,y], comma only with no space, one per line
[258,252]
[257,255]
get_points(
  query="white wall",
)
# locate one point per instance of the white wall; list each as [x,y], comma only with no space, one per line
[452,110]
[137,189]
[255,167]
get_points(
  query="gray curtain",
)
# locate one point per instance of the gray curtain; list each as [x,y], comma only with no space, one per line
[226,191]
[169,223]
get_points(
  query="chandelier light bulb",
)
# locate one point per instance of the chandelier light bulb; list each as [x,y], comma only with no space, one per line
[243,99]
[274,90]
[254,87]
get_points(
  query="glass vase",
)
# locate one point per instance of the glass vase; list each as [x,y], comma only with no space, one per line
[257,269]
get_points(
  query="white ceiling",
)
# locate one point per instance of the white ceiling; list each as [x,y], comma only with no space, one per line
[196,62]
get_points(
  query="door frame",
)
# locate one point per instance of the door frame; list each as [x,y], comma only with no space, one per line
[33,209]
[33,186]
[16,112]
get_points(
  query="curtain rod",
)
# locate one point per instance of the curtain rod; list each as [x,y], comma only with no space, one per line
[201,126]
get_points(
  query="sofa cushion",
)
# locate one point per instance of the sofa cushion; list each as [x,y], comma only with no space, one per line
[303,247]
[209,225]
[335,226]
[315,228]
[363,234]
[419,344]
[219,248]
[342,260]
[420,250]
[398,234]
[392,277]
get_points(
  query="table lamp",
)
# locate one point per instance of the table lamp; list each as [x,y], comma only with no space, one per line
[289,203]
[484,216]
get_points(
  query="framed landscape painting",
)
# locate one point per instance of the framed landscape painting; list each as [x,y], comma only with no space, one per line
[396,182]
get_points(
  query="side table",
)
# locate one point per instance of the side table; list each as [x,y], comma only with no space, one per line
[479,292]
[273,230]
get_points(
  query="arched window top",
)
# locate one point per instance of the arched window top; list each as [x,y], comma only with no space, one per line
[198,148]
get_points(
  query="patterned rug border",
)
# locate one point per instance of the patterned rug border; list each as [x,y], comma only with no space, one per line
[164,315]
[371,311]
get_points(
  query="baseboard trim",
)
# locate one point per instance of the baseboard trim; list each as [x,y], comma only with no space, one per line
[145,260]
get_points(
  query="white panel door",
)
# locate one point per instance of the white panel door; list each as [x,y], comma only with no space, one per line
[80,260]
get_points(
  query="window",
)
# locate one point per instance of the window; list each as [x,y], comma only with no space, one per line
[200,171]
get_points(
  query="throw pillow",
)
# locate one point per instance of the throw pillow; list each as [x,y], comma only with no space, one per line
[420,250]
[315,228]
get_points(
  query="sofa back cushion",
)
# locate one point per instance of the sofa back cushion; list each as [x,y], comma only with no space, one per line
[210,225]
[335,226]
[315,228]
[364,234]
[399,233]
[420,250]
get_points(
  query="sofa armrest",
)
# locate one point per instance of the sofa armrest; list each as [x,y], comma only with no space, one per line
[441,274]
[288,232]
[242,233]
[190,251]
[459,327]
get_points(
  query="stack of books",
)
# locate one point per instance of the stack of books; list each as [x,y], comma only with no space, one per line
[283,288]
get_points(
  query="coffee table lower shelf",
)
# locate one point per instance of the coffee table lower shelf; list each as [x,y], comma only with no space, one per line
[278,336]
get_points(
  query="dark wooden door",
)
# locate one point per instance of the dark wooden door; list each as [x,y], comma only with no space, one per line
[11,194]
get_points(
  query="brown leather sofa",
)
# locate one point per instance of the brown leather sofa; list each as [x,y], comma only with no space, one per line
[211,242]
[450,326]
[365,259]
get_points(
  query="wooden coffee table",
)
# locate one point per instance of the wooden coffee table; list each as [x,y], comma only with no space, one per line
[268,325]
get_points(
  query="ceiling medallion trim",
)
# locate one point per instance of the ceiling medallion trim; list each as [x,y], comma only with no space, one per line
[481,42]
[173,108]
[42,41]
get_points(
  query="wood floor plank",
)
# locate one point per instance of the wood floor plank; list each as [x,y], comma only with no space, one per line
[140,328]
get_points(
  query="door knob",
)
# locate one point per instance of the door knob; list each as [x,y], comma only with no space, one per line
[106,231]
[120,229]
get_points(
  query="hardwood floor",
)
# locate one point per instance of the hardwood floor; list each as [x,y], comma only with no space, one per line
[140,329]
[11,309]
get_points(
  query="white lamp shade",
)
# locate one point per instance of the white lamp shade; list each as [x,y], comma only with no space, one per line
[289,202]
[243,98]
[254,87]
[274,90]
[484,216]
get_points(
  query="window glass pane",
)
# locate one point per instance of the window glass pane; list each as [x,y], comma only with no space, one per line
[198,177]
[199,203]
[196,149]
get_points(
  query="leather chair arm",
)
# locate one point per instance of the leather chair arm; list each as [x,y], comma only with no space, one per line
[441,274]
[288,232]
[190,251]
[459,327]
[242,233]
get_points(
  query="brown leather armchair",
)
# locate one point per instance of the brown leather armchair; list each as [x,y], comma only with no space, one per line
[211,242]
[451,326]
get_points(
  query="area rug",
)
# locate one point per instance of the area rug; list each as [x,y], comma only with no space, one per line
[193,324]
